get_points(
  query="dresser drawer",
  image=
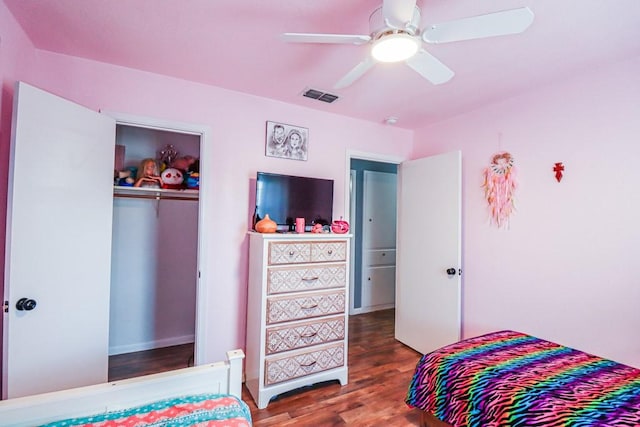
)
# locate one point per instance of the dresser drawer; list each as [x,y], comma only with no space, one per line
[289,252]
[292,279]
[304,363]
[300,335]
[297,307]
[302,252]
[328,251]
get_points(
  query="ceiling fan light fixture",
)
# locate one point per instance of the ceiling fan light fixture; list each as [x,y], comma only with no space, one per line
[395,47]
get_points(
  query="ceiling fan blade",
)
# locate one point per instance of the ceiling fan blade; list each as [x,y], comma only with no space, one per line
[429,67]
[398,13]
[355,73]
[325,38]
[493,24]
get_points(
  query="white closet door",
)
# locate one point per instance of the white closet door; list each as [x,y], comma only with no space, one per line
[59,214]
[428,305]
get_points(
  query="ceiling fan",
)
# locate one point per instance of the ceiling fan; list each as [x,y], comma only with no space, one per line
[395,36]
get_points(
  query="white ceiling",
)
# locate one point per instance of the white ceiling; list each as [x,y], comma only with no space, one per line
[235,44]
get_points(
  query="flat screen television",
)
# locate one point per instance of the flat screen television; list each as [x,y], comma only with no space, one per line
[286,197]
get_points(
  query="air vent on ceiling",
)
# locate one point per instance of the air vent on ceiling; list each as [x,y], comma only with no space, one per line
[320,96]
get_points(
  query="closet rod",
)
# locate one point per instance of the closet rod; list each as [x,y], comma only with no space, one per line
[156,197]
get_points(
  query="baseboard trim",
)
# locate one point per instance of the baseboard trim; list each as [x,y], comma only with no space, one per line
[363,310]
[149,345]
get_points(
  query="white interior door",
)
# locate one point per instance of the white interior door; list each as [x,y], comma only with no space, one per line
[59,217]
[428,299]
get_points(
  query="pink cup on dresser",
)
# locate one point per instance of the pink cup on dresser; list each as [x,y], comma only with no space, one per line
[299,225]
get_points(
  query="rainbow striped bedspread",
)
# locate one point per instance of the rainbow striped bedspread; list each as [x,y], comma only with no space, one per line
[508,378]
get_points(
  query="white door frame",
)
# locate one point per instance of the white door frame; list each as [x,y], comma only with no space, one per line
[360,155]
[204,229]
[352,185]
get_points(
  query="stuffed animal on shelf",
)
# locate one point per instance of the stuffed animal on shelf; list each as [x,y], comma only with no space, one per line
[123,178]
[172,178]
[193,180]
[190,167]
[183,163]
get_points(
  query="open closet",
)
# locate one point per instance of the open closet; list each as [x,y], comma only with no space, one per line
[154,248]
[69,230]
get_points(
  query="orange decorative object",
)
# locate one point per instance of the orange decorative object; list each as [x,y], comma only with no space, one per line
[340,226]
[266,225]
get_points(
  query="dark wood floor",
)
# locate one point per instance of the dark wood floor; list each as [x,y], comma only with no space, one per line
[150,362]
[380,369]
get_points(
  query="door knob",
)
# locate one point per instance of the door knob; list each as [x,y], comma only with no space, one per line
[451,271]
[26,304]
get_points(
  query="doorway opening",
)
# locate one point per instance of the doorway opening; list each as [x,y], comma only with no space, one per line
[372,187]
[156,301]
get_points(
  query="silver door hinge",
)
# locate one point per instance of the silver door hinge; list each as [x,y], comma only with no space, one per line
[5,307]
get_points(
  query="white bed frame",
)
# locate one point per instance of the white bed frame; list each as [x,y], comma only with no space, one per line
[220,378]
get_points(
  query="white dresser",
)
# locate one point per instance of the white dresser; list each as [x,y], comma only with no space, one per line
[297,324]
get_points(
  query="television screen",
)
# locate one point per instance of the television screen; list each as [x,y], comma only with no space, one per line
[285,198]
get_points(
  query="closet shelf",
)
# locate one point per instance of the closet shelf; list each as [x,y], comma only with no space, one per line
[154,193]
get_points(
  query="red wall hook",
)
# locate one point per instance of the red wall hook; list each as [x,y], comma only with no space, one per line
[558,168]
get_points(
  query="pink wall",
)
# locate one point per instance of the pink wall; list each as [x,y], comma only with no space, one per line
[16,57]
[567,269]
[238,124]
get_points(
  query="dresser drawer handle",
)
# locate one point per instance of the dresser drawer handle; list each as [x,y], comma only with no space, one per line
[309,335]
[310,279]
[291,253]
[309,307]
[330,252]
[308,365]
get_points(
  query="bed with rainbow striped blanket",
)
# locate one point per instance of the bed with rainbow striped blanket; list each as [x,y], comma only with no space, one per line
[512,379]
[210,410]
[204,395]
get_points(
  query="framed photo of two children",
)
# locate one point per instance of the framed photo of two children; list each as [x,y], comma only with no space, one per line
[286,141]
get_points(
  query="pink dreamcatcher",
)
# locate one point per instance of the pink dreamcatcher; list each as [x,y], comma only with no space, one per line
[499,188]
